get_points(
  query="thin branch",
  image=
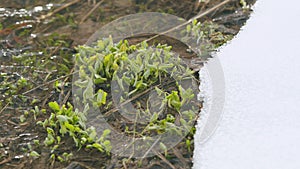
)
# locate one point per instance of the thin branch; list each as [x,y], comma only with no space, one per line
[51,81]
[91,11]
[5,161]
[200,15]
[58,9]
[151,148]
[4,108]
[164,159]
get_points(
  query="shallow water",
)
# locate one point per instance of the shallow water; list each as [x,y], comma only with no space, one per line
[15,22]
[260,125]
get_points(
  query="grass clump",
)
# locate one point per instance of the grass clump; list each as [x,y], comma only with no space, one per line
[66,122]
[159,85]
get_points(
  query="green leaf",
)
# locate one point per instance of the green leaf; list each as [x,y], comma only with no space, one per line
[54,106]
[154,127]
[186,95]
[76,141]
[99,79]
[37,110]
[107,145]
[22,118]
[67,156]
[188,144]
[188,28]
[63,130]
[69,126]
[36,142]
[45,123]
[88,92]
[105,133]
[174,100]
[98,146]
[83,140]
[34,154]
[50,131]
[54,148]
[154,117]
[49,140]
[92,134]
[58,138]
[164,148]
[100,45]
[81,83]
[101,97]
[60,159]
[62,118]
[52,156]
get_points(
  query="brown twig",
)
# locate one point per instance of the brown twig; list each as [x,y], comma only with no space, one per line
[156,163]
[4,108]
[151,148]
[4,140]
[164,159]
[58,9]
[91,11]
[179,156]
[200,15]
[5,161]
[51,81]
[66,98]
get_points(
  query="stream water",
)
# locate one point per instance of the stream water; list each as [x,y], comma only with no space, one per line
[260,125]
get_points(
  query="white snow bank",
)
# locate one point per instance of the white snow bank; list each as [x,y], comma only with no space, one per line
[260,128]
